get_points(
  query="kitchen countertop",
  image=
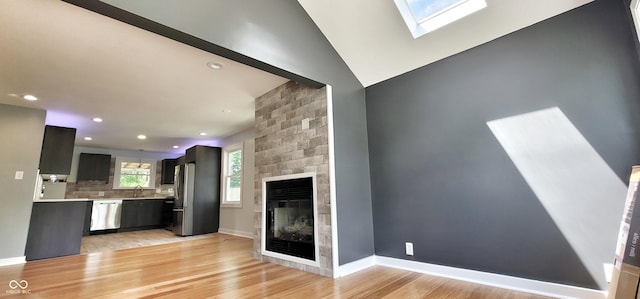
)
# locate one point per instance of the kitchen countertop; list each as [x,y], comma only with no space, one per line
[128,198]
[94,199]
[61,199]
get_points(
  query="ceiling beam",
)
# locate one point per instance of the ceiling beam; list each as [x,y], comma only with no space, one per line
[179,36]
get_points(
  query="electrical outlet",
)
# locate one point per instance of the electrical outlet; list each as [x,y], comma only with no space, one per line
[305,123]
[100,193]
[409,248]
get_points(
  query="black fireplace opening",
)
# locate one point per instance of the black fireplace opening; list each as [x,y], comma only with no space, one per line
[289,217]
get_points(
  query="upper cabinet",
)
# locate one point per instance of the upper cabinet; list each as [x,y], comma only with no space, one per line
[168,171]
[94,167]
[57,150]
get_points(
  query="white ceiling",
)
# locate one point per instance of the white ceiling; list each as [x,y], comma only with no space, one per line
[83,65]
[374,41]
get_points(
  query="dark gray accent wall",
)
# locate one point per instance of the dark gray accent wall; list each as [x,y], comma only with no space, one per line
[280,34]
[441,180]
[22,130]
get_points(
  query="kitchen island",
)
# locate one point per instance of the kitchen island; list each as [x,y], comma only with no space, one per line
[55,228]
[58,225]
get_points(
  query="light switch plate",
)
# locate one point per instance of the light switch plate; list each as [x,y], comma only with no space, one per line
[19,175]
[305,123]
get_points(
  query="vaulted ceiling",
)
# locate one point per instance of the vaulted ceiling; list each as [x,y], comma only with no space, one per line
[83,65]
[375,43]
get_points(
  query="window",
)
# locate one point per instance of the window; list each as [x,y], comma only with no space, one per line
[423,10]
[232,176]
[131,173]
[424,16]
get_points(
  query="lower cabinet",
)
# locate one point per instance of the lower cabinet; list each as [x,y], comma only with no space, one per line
[141,214]
[55,229]
[129,214]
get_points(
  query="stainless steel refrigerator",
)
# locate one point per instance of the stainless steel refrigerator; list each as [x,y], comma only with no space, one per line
[183,204]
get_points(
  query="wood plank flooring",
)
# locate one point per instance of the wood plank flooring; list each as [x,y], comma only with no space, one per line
[218,266]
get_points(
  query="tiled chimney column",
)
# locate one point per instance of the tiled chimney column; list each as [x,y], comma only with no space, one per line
[283,147]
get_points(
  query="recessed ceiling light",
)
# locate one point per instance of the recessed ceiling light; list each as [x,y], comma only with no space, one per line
[203,134]
[29,97]
[13,95]
[214,65]
[97,119]
[88,138]
[175,146]
[226,110]
[142,137]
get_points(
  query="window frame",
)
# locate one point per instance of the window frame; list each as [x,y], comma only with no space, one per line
[118,170]
[440,19]
[226,151]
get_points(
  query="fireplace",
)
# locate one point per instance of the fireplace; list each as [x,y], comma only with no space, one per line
[289,218]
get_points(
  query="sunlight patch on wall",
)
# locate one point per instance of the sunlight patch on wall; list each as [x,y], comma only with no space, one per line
[575,185]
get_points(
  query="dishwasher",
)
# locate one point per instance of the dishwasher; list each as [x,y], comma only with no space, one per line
[106,214]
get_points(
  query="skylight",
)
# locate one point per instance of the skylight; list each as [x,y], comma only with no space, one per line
[424,16]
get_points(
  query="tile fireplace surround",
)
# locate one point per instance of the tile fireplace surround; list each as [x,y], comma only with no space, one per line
[283,147]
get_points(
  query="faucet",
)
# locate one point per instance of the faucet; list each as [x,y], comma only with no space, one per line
[135,191]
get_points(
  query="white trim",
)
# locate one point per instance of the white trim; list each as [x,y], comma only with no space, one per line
[237,233]
[355,266]
[13,261]
[446,17]
[635,11]
[495,280]
[490,279]
[332,186]
[263,251]
[223,175]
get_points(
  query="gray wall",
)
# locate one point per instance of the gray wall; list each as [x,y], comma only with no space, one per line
[281,34]
[22,130]
[240,220]
[441,180]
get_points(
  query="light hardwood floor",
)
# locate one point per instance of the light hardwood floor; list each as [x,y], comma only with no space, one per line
[218,266]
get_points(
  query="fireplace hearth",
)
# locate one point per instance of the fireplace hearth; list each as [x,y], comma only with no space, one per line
[289,221]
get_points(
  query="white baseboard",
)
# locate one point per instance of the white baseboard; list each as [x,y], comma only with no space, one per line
[356,266]
[496,280]
[234,232]
[12,261]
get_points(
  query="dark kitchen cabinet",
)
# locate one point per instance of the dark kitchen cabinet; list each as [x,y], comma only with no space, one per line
[150,212]
[168,171]
[129,214]
[55,229]
[94,167]
[141,214]
[206,195]
[57,150]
